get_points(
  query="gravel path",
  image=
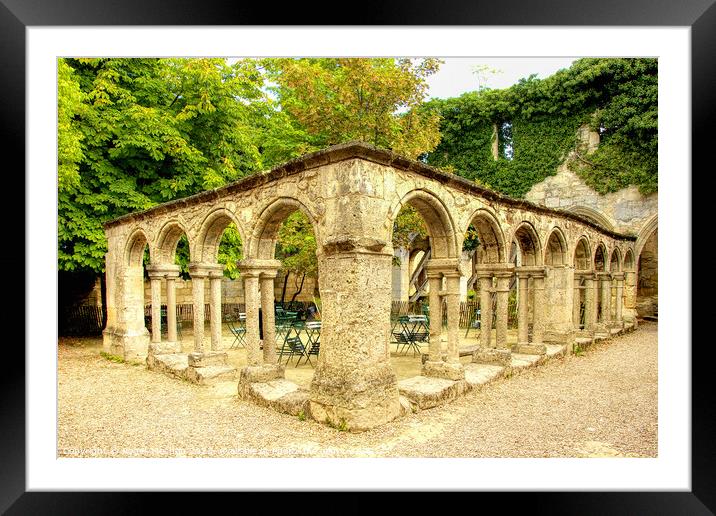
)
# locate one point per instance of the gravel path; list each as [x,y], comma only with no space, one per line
[600,404]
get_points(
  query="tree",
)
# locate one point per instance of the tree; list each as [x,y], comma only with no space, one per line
[371,100]
[137,132]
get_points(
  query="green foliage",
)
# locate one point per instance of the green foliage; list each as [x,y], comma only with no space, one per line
[543,115]
[296,245]
[408,224]
[301,415]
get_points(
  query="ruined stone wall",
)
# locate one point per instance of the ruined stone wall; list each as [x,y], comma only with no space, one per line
[648,282]
[626,210]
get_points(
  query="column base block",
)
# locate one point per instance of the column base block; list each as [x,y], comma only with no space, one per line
[530,349]
[446,370]
[357,399]
[208,358]
[492,356]
[259,374]
[164,348]
[558,336]
[131,346]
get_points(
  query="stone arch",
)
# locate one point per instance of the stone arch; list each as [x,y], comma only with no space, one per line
[593,216]
[528,242]
[582,255]
[600,258]
[166,243]
[628,264]
[555,252]
[492,240]
[437,220]
[262,243]
[134,250]
[206,248]
[615,262]
[645,233]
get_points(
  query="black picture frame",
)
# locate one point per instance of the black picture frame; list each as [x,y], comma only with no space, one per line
[17,15]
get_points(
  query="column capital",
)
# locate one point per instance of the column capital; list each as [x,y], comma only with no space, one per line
[619,276]
[254,267]
[446,266]
[604,275]
[163,270]
[534,271]
[204,270]
[495,269]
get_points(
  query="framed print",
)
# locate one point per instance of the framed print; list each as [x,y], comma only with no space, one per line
[36,475]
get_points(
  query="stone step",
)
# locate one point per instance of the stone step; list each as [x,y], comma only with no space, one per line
[172,364]
[477,375]
[210,374]
[280,395]
[426,392]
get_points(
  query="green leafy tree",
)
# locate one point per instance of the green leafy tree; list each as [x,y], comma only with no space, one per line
[296,248]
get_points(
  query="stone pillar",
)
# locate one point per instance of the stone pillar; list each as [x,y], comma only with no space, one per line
[354,384]
[485,279]
[215,306]
[503,291]
[453,317]
[156,274]
[261,367]
[172,309]
[599,325]
[576,305]
[156,286]
[267,309]
[537,345]
[606,278]
[434,284]
[450,368]
[251,300]
[619,278]
[630,296]
[522,333]
[198,273]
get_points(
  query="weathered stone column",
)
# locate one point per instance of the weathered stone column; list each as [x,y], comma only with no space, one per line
[251,300]
[590,301]
[172,309]
[537,345]
[619,278]
[436,319]
[267,309]
[453,317]
[576,308]
[155,279]
[485,278]
[261,367]
[215,276]
[503,291]
[599,323]
[606,278]
[198,273]
[630,297]
[522,333]
[156,274]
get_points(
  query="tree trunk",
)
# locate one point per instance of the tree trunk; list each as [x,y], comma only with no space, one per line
[283,292]
[295,294]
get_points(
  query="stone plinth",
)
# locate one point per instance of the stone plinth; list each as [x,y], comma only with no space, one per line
[446,370]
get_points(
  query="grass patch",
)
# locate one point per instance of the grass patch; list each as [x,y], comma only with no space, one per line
[301,415]
[112,358]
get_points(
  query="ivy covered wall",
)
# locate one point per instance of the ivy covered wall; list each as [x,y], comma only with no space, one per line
[533,126]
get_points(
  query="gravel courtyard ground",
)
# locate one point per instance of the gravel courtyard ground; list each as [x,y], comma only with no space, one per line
[600,404]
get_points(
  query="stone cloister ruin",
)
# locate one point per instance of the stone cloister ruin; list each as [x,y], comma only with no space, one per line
[352,193]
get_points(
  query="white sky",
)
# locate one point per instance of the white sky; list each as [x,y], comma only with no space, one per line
[456,75]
